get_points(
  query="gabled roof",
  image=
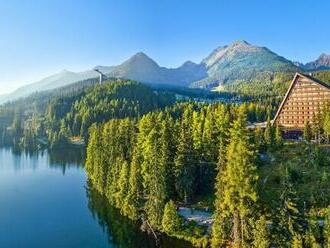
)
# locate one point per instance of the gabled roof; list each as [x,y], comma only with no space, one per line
[317,81]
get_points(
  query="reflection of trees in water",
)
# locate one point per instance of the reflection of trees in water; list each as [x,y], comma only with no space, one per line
[57,158]
[18,150]
[121,230]
[66,157]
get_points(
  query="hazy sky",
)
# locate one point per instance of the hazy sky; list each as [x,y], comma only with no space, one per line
[41,37]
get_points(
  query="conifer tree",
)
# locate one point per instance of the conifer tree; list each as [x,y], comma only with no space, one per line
[234,206]
[326,230]
[307,132]
[171,222]
[185,161]
[167,151]
[269,134]
[297,241]
[310,240]
[198,119]
[278,137]
[210,136]
[209,155]
[259,139]
[317,125]
[122,185]
[94,162]
[133,200]
[290,215]
[156,184]
[326,122]
[261,237]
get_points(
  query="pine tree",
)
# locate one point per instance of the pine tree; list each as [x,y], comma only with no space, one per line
[171,222]
[278,137]
[133,200]
[268,134]
[297,241]
[234,209]
[259,139]
[326,122]
[326,230]
[261,237]
[155,187]
[185,160]
[316,125]
[290,215]
[310,240]
[122,185]
[167,151]
[94,160]
[220,229]
[307,132]
[209,154]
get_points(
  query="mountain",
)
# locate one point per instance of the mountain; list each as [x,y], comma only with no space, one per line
[237,61]
[57,80]
[139,68]
[241,61]
[142,68]
[322,63]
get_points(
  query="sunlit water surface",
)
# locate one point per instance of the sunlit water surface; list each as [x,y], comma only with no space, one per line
[43,202]
[46,202]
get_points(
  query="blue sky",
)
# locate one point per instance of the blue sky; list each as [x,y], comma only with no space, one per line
[41,37]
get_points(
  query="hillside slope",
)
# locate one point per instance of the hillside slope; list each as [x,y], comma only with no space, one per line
[321,63]
[237,61]
[57,80]
[241,61]
[142,68]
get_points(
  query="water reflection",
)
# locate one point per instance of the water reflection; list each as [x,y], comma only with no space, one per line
[40,207]
[66,158]
[64,209]
[122,231]
[57,158]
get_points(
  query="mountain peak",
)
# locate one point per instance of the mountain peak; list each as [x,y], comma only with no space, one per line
[324,56]
[322,62]
[241,60]
[141,57]
[223,52]
[240,43]
[188,63]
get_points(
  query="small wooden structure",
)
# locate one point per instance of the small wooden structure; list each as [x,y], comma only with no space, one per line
[304,99]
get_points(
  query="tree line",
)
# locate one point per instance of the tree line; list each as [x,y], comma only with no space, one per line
[53,119]
[148,166]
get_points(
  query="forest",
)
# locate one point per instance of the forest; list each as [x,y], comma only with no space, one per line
[192,154]
[151,151]
[51,119]
[56,118]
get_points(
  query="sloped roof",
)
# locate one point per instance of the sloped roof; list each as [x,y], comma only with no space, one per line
[315,80]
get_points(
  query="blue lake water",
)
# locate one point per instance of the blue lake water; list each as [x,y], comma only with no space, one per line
[43,203]
[47,202]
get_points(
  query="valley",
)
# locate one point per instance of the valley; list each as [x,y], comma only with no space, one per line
[161,142]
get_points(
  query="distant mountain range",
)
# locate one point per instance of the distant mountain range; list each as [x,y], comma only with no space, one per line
[241,60]
[143,69]
[54,81]
[237,61]
[322,63]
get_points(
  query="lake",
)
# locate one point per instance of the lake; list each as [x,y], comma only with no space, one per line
[46,201]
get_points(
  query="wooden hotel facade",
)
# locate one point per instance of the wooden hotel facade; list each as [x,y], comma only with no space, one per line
[304,99]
